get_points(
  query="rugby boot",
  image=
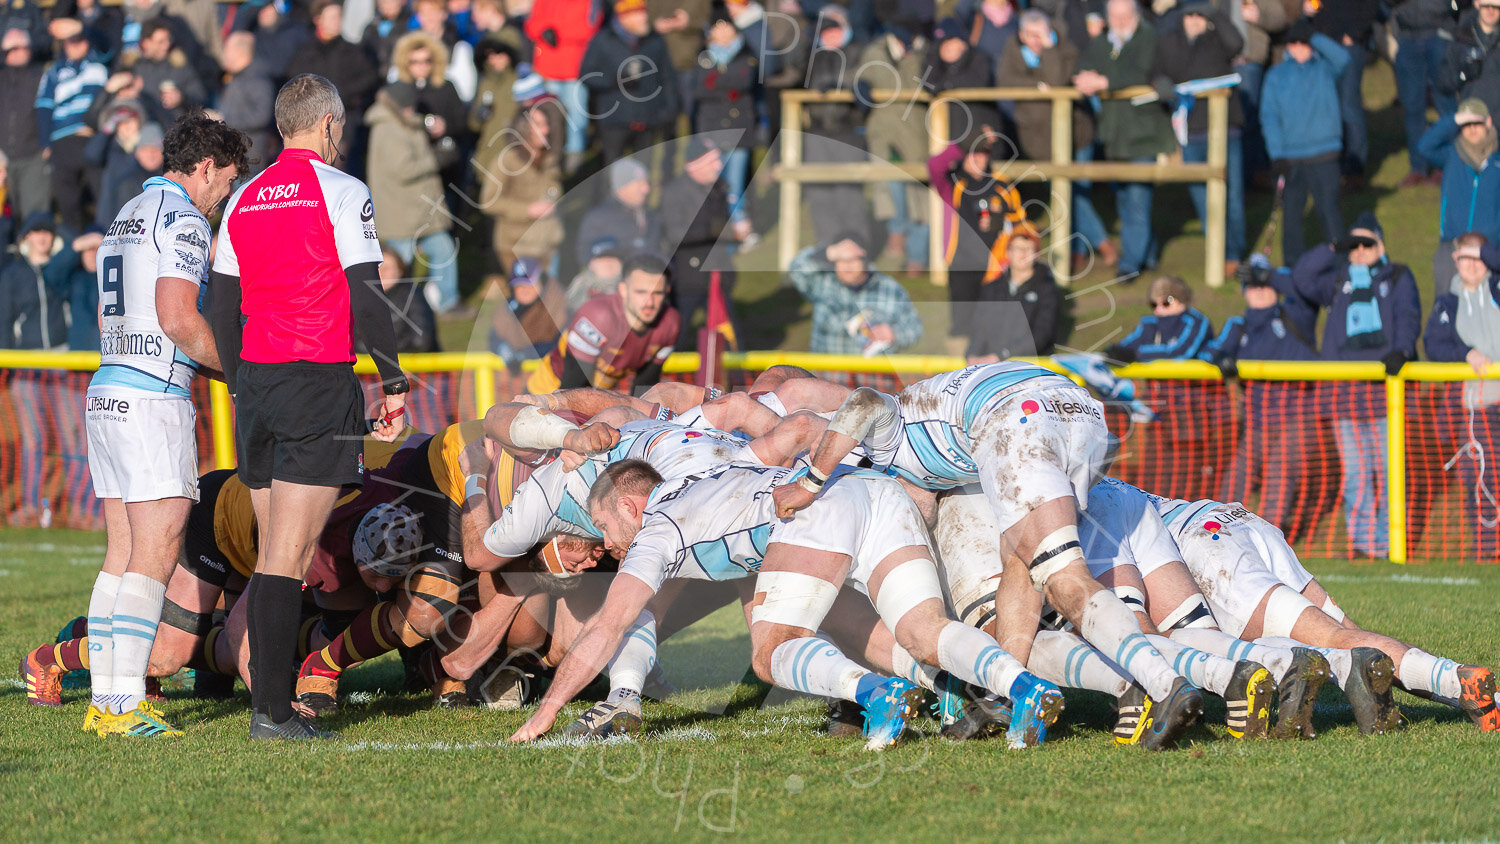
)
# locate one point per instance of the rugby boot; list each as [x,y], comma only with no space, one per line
[317,687]
[846,719]
[78,628]
[1248,701]
[980,718]
[1035,705]
[503,689]
[952,699]
[1163,721]
[1128,711]
[44,682]
[1369,692]
[144,721]
[295,728]
[153,690]
[94,718]
[657,686]
[1297,693]
[622,716]
[887,709]
[448,693]
[1478,696]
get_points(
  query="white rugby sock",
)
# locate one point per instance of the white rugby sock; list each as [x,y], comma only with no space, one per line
[973,656]
[1068,661]
[101,643]
[1278,661]
[1420,671]
[137,612]
[637,653]
[1340,661]
[1202,669]
[905,666]
[816,666]
[1111,627]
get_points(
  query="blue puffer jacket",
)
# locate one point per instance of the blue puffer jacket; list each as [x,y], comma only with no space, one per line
[1471,198]
[1299,103]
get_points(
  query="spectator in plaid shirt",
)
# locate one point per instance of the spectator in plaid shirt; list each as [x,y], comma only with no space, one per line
[856,308]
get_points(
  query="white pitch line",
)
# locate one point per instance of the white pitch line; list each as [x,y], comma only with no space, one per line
[1401,578]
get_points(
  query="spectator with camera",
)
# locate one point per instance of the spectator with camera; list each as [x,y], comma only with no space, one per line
[1472,68]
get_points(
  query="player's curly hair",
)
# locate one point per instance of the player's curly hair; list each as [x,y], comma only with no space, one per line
[196,136]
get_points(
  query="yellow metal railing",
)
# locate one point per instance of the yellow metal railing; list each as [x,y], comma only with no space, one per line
[484,369]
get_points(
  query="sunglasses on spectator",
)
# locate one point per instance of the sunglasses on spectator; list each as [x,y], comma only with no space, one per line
[1163,303]
[1363,243]
[71,39]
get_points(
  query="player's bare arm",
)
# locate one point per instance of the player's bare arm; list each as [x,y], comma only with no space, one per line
[864,411]
[598,641]
[177,309]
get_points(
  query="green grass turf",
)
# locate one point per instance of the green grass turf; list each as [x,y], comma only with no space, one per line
[405,771]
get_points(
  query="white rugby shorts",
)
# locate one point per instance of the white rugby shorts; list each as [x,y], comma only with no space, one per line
[864,516]
[1236,563]
[142,448]
[1037,446]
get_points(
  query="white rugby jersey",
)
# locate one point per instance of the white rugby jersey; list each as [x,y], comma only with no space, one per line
[929,444]
[556,501]
[711,528]
[157,234]
[1122,527]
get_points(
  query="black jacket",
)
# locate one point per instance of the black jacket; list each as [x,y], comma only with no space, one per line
[996,330]
[347,67]
[634,232]
[1422,18]
[1210,54]
[18,131]
[833,70]
[725,96]
[1472,66]
[625,88]
[974,69]
[32,314]
[693,217]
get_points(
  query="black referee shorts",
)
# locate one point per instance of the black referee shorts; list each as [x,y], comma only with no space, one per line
[303,423]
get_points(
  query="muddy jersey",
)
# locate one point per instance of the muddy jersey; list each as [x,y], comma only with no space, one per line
[711,528]
[554,500]
[158,234]
[929,442]
[288,235]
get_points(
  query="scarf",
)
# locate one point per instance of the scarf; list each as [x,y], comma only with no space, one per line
[1476,155]
[722,54]
[1362,325]
[1031,59]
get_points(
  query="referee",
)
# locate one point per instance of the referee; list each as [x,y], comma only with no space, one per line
[295,277]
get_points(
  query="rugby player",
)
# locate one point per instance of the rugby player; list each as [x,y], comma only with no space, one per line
[143,454]
[723,527]
[1260,591]
[1035,442]
[449,481]
[611,338]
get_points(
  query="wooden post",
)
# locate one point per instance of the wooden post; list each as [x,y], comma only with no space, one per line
[937,206]
[1061,213]
[1218,188]
[791,189]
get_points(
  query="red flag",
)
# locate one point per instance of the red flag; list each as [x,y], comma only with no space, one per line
[718,311]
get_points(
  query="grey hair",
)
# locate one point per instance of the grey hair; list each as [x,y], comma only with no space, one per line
[1033,17]
[303,101]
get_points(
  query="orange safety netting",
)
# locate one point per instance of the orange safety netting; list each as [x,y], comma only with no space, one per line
[1308,456]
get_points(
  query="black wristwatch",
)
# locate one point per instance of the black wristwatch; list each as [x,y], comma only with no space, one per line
[396,386]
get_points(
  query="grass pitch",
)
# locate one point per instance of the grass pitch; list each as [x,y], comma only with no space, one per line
[718,761]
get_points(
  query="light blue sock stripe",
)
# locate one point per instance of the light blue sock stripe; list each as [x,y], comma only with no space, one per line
[1073,665]
[800,661]
[985,659]
[135,619]
[1132,645]
[127,632]
[1237,649]
[96,620]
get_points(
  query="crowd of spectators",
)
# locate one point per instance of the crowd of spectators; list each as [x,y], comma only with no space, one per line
[474,119]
